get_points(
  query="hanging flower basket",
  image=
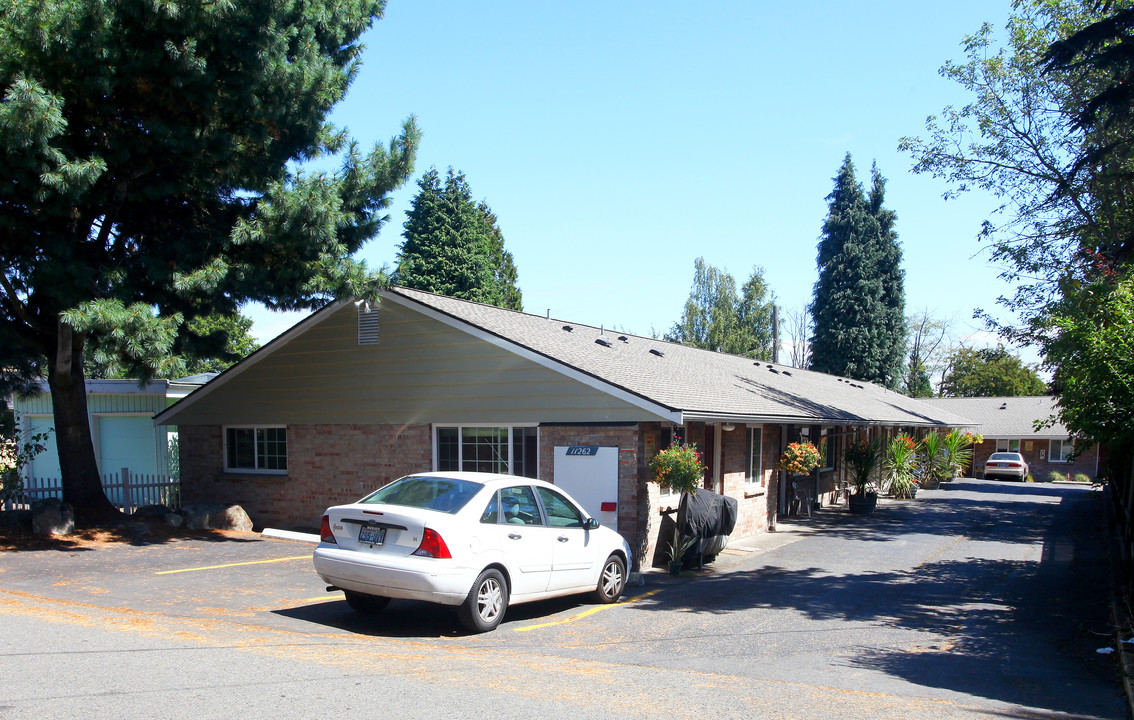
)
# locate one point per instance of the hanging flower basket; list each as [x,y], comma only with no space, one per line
[800,458]
[679,467]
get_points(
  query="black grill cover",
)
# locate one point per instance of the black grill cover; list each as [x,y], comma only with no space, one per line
[709,517]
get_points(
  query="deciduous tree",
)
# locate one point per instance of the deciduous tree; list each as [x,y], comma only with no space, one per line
[716,318]
[989,372]
[154,172]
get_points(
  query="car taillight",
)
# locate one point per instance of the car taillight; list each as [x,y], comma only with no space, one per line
[325,533]
[432,545]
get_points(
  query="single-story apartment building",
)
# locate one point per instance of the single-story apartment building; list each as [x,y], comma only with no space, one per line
[120,413]
[1009,424]
[357,395]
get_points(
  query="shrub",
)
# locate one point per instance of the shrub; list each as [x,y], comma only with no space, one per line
[1081,477]
[1055,476]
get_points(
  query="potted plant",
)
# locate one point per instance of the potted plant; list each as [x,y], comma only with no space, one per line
[679,467]
[899,463]
[800,458]
[676,548]
[862,458]
[931,460]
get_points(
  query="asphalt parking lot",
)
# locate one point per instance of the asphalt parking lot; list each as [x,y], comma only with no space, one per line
[981,599]
[239,577]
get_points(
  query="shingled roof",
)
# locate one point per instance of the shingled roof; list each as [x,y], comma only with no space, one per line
[698,384]
[1006,417]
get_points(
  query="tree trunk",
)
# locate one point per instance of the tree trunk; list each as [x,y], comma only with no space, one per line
[82,487]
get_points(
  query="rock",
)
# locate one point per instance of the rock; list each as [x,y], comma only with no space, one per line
[151,512]
[174,519]
[52,517]
[216,517]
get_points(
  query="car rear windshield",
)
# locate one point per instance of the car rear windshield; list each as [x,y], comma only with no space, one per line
[1005,456]
[447,495]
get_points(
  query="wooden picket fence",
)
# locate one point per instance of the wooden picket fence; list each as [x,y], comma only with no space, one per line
[129,491]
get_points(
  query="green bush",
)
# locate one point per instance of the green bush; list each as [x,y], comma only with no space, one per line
[1081,477]
[1055,476]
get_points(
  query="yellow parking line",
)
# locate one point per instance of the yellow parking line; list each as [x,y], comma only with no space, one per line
[217,567]
[589,612]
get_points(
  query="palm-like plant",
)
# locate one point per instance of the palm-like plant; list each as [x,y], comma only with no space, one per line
[862,457]
[932,462]
[900,462]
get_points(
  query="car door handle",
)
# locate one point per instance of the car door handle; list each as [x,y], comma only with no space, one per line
[514,536]
[563,538]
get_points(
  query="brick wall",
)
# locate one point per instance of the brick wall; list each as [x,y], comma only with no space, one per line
[327,465]
[623,437]
[756,502]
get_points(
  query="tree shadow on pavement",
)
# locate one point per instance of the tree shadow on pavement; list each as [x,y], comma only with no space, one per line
[1012,630]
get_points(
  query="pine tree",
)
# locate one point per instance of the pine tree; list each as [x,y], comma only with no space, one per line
[153,159]
[858,302]
[453,246]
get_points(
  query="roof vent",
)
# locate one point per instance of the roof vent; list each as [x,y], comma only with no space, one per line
[568,328]
[603,341]
[1004,406]
[367,324]
[655,351]
[623,338]
[787,373]
[773,370]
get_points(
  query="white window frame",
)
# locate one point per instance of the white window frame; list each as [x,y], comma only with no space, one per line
[755,455]
[255,453]
[1005,445]
[460,427]
[1061,444]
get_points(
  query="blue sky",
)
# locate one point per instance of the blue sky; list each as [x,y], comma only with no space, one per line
[617,142]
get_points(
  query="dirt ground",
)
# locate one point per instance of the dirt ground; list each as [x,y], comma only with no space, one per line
[12,540]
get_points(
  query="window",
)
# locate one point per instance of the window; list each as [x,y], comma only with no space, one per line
[441,494]
[504,450]
[826,451]
[560,513]
[1004,445]
[256,449]
[755,455]
[1061,451]
[519,505]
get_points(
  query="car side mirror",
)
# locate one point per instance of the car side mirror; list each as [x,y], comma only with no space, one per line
[590,524]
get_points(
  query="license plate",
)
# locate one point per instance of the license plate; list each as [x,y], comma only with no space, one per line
[372,534]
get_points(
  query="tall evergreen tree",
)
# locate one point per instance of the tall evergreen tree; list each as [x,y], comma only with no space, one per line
[152,157]
[892,340]
[859,302]
[504,271]
[453,246]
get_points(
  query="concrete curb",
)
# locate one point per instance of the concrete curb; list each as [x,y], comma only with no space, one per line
[274,534]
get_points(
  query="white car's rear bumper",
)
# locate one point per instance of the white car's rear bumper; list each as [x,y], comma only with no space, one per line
[410,578]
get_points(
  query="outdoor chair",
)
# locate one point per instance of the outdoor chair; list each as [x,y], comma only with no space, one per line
[802,496]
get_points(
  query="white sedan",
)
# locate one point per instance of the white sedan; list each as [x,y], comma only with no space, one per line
[475,540]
